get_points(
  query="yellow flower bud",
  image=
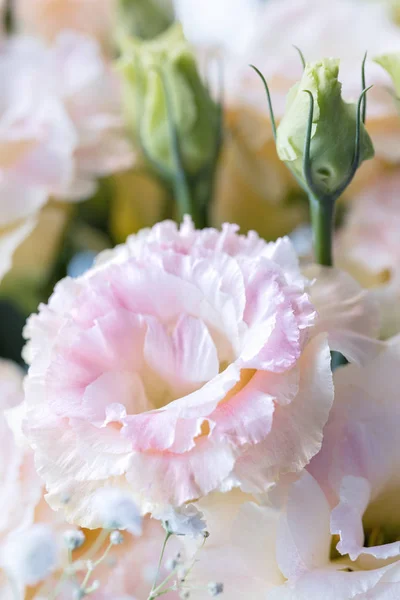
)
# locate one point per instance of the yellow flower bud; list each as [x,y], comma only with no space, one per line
[333,131]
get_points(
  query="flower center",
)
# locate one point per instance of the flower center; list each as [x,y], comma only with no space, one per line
[380,535]
[381,520]
[245,377]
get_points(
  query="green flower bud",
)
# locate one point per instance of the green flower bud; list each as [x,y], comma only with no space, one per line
[152,68]
[145,19]
[391,64]
[333,130]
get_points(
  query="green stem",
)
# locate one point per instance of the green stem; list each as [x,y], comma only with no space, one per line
[322,219]
[154,587]
[187,200]
[183,194]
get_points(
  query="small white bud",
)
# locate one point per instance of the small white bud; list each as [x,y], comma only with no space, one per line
[172,563]
[74,539]
[215,589]
[116,538]
[31,555]
[117,510]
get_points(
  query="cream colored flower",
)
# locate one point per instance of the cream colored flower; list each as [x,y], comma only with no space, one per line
[368,246]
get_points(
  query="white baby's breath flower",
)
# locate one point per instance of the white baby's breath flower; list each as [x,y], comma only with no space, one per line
[186,520]
[116,538]
[30,555]
[74,538]
[215,589]
[117,510]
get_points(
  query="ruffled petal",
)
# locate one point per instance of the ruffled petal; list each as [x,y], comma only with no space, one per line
[346,312]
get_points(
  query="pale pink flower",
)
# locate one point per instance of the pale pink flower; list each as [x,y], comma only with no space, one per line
[358,466]
[90,92]
[36,136]
[368,246]
[185,361]
[240,551]
[60,129]
[47,18]
[352,494]
[20,486]
[306,558]
[36,143]
[73,72]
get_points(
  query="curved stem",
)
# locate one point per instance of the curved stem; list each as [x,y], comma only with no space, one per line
[154,587]
[363,86]
[303,60]
[322,216]
[271,110]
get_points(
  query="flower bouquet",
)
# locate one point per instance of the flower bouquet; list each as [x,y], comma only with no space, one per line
[199,300]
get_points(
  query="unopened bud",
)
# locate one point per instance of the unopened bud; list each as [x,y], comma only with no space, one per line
[116,538]
[144,19]
[333,131]
[74,539]
[163,89]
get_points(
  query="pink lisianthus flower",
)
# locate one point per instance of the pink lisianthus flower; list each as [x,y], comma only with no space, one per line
[73,71]
[90,92]
[368,246]
[36,144]
[186,361]
[60,129]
